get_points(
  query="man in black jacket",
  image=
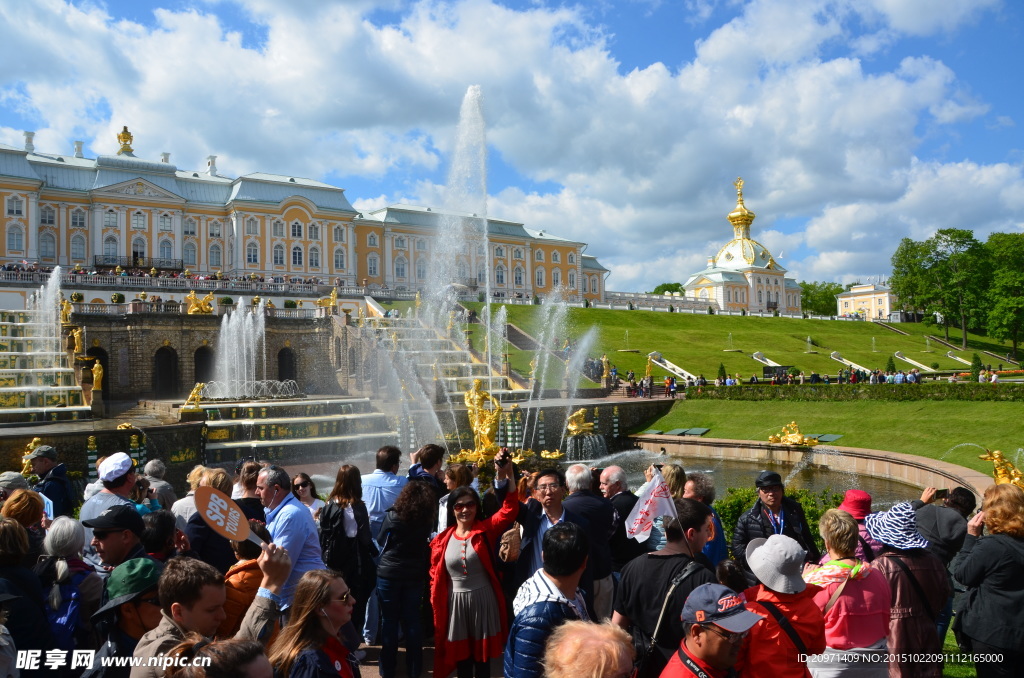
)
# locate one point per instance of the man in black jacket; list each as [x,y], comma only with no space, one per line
[614,489]
[600,513]
[772,513]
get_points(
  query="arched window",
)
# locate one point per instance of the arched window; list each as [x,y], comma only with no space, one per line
[314,257]
[47,246]
[277,229]
[499,251]
[278,255]
[572,258]
[595,285]
[539,255]
[556,258]
[703,295]
[166,249]
[190,227]
[517,253]
[556,278]
[517,276]
[400,267]
[190,254]
[297,256]
[499,275]
[759,297]
[78,247]
[339,259]
[339,234]
[572,280]
[110,246]
[371,240]
[538,278]
[481,275]
[138,248]
[252,227]
[421,268]
[296,229]
[400,243]
[776,297]
[252,253]
[78,219]
[47,216]
[215,258]
[372,265]
[314,231]
[728,295]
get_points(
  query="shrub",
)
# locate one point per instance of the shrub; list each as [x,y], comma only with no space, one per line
[925,391]
[890,365]
[722,374]
[794,371]
[226,301]
[290,303]
[117,298]
[480,296]
[711,310]
[671,308]
[976,367]
[738,500]
[935,365]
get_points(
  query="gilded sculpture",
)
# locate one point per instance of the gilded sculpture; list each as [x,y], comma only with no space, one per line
[1004,472]
[191,403]
[482,420]
[97,376]
[197,306]
[125,138]
[79,335]
[791,435]
[65,312]
[577,423]
[605,367]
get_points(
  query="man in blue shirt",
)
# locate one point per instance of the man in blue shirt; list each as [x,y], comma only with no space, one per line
[380,490]
[290,525]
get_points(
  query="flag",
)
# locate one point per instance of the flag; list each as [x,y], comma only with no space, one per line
[654,501]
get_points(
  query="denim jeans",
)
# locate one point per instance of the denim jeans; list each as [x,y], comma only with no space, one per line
[400,604]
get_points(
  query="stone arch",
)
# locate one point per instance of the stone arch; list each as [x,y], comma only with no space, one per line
[203,359]
[287,366]
[166,377]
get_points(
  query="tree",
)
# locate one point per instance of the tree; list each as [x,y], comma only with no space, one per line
[722,374]
[668,287]
[819,298]
[890,365]
[1006,293]
[976,367]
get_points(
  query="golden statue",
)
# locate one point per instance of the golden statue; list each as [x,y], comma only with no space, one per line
[65,312]
[544,454]
[650,366]
[360,316]
[330,301]
[125,138]
[577,423]
[419,302]
[79,335]
[533,368]
[1004,472]
[97,376]
[791,435]
[191,403]
[483,421]
[26,464]
[605,367]
[197,306]
[270,303]
[256,300]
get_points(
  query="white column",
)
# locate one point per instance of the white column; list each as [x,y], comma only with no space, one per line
[95,226]
[32,227]
[387,242]
[177,233]
[63,243]
[122,225]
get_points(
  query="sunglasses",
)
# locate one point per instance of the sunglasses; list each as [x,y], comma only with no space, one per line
[301,486]
[462,505]
[728,635]
[345,597]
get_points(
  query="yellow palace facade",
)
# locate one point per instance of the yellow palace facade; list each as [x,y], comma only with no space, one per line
[120,210]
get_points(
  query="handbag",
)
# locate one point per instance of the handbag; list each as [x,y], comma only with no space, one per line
[510,544]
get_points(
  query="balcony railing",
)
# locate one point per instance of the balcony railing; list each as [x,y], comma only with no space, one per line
[159,263]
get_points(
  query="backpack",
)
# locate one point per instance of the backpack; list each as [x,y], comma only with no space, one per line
[65,619]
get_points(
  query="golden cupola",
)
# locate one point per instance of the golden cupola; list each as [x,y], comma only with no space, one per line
[741,217]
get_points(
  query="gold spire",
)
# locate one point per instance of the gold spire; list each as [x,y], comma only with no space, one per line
[125,139]
[741,217]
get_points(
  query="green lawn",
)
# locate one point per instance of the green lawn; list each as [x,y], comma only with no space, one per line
[927,429]
[698,343]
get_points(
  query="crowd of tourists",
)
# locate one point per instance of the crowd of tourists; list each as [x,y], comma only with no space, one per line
[532,574]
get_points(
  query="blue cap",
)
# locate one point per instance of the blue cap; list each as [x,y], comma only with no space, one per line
[719,605]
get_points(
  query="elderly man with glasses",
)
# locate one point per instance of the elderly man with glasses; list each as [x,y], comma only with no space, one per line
[290,525]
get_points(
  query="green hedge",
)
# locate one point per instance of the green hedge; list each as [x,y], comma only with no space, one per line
[739,500]
[938,390]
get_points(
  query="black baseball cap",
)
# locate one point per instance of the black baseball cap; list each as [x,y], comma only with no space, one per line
[121,517]
[767,479]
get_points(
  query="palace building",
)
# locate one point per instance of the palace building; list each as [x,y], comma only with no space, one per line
[744,276]
[120,210]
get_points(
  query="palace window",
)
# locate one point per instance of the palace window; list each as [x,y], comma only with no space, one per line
[296,256]
[480,249]
[139,221]
[539,255]
[400,267]
[296,229]
[166,249]
[372,268]
[252,253]
[48,216]
[517,253]
[481,275]
[595,285]
[728,295]
[572,258]
[499,275]
[190,254]
[339,259]
[278,255]
[47,246]
[110,219]
[400,243]
[572,280]
[15,207]
[215,258]
[339,234]
[190,227]
[538,277]
[556,258]
[110,246]
[421,268]
[371,240]
[78,219]
[517,276]
[214,229]
[314,257]
[165,222]
[314,231]
[78,247]
[759,297]
[421,245]
[499,252]
[252,226]
[278,229]
[138,248]
[703,295]
[556,278]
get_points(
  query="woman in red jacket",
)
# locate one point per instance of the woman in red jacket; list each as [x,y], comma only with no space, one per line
[469,608]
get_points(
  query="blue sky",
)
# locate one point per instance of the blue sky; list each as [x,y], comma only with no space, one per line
[621,123]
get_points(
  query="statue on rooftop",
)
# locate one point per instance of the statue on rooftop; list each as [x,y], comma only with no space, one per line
[125,138]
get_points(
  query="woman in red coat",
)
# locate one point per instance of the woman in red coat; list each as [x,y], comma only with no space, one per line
[469,608]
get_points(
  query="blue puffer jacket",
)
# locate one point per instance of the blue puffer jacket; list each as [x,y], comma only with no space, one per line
[528,635]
